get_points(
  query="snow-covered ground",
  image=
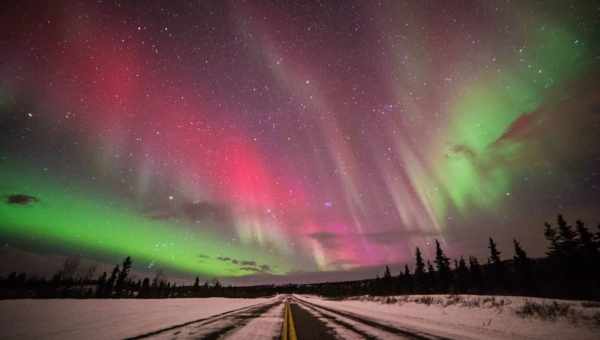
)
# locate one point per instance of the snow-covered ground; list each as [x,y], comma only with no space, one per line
[106,319]
[450,316]
[477,317]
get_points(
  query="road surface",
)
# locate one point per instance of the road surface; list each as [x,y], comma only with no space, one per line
[287,318]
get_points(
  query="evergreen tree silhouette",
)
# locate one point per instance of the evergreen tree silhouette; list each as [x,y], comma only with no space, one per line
[408,280]
[387,280]
[419,277]
[524,268]
[566,239]
[431,280]
[100,285]
[145,288]
[496,265]
[462,276]
[552,237]
[565,257]
[475,273]
[111,281]
[121,279]
[443,268]
[589,255]
[387,275]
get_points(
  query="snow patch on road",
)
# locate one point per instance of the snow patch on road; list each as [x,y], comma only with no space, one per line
[268,326]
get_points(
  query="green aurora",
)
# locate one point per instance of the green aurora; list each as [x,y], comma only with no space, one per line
[66,216]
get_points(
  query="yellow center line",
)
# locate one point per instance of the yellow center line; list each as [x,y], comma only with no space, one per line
[292,328]
[289,330]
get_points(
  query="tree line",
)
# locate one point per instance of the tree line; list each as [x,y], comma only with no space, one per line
[571,269]
[73,282]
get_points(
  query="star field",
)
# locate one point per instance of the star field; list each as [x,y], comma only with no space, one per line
[230,138]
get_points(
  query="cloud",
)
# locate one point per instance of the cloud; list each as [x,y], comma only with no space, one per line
[21,199]
[250,269]
[263,268]
[247,265]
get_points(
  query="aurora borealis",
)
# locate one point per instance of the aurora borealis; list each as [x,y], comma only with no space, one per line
[234,138]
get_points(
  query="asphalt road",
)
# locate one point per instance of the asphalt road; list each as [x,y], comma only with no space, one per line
[287,318]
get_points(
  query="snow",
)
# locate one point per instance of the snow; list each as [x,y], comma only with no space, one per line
[451,316]
[106,318]
[268,326]
[470,317]
[341,331]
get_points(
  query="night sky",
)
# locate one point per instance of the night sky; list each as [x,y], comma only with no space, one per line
[235,138]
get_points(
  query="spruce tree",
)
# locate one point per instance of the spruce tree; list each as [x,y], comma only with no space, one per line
[523,267]
[100,285]
[566,239]
[123,275]
[462,276]
[568,261]
[443,267]
[419,271]
[387,275]
[588,251]
[552,237]
[431,280]
[196,287]
[497,266]
[111,281]
[476,273]
[145,288]
[408,280]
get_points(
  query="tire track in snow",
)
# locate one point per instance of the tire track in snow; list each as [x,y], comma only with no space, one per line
[241,314]
[342,317]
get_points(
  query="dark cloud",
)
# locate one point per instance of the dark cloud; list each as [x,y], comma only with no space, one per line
[263,268]
[247,265]
[250,269]
[21,199]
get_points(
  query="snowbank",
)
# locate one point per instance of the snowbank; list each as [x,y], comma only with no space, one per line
[478,317]
[105,318]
